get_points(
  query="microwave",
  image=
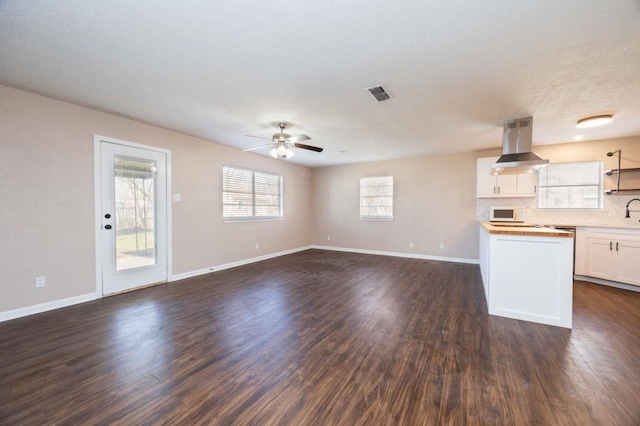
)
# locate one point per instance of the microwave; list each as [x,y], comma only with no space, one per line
[506,214]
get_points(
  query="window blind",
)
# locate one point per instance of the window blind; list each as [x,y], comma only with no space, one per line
[376,197]
[570,186]
[250,194]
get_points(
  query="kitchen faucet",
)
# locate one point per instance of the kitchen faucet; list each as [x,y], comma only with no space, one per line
[627,215]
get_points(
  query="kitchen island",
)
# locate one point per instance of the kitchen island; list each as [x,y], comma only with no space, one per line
[527,272]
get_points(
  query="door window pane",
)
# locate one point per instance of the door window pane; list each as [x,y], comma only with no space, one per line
[135,212]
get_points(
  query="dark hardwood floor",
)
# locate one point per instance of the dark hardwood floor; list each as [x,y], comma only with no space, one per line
[322,338]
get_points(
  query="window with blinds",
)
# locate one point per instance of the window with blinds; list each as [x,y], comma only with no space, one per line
[249,194]
[376,197]
[571,186]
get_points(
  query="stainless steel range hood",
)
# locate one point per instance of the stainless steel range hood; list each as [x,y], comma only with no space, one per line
[516,149]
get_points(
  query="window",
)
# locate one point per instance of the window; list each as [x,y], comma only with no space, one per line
[248,194]
[376,197]
[571,186]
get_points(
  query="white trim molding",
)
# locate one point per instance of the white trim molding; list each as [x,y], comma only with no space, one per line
[56,304]
[48,306]
[97,190]
[398,254]
[615,284]
[224,266]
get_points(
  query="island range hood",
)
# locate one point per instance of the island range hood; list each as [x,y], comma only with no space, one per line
[516,149]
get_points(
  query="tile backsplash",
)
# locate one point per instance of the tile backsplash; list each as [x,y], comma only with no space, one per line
[612,214]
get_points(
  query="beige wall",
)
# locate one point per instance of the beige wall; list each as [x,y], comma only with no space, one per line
[434,202]
[47,198]
[613,211]
[587,151]
[597,151]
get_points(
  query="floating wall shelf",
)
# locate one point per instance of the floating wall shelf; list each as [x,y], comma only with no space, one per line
[619,171]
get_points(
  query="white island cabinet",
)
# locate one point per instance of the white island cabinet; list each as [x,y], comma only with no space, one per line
[527,273]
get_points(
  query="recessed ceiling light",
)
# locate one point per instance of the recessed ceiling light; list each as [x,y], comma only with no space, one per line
[578,137]
[597,120]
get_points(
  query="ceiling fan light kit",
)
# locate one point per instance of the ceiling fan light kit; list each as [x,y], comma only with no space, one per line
[281,144]
[281,151]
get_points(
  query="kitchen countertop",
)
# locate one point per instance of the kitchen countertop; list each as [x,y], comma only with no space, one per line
[524,229]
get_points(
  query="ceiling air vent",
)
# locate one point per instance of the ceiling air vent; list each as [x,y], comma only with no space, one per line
[379,93]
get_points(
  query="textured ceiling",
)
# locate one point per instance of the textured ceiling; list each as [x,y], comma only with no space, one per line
[221,70]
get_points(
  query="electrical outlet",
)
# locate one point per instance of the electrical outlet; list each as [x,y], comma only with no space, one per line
[257,246]
[40,282]
[441,246]
[410,245]
[328,237]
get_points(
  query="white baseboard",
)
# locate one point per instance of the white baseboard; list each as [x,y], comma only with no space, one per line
[48,306]
[615,284]
[56,304]
[398,254]
[234,264]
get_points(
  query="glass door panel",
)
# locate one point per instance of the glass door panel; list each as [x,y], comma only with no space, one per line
[135,226]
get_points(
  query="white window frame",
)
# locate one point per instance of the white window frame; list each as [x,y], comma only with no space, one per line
[376,217]
[253,217]
[542,185]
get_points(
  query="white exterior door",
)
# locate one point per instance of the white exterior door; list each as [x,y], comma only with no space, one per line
[132,217]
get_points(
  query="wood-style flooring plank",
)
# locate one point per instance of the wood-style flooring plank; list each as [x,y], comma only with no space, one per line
[322,338]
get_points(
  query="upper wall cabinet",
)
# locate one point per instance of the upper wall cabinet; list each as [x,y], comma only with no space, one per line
[492,186]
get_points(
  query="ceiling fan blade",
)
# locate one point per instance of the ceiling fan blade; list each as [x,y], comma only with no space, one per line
[299,138]
[257,147]
[309,147]
[257,137]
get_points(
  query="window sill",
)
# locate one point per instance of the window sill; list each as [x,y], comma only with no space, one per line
[376,218]
[251,219]
[567,210]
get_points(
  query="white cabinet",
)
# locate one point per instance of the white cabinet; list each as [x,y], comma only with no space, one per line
[609,253]
[528,277]
[527,184]
[496,186]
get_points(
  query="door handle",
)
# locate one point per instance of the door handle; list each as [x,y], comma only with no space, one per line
[616,246]
[107,227]
[610,245]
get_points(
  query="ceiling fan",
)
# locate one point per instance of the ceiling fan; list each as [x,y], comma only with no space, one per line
[281,144]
